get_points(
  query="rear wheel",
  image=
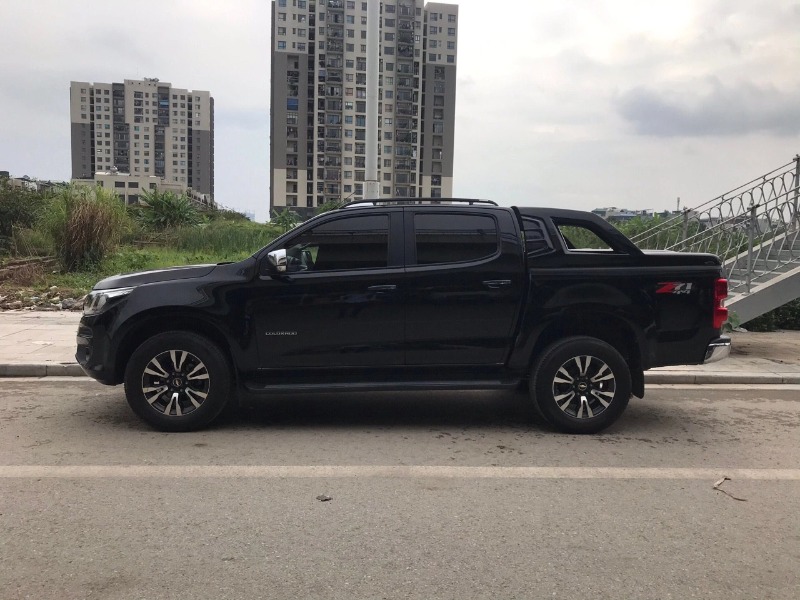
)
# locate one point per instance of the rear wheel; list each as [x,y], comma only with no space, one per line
[177,381]
[581,384]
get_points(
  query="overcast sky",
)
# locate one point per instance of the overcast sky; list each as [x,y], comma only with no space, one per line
[571,103]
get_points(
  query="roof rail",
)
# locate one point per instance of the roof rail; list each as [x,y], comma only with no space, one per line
[377,201]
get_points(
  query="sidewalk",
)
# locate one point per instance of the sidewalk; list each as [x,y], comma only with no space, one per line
[42,344]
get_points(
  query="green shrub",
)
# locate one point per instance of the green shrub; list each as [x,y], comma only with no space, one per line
[30,242]
[129,260]
[224,214]
[783,317]
[284,220]
[227,239]
[19,208]
[164,210]
[85,223]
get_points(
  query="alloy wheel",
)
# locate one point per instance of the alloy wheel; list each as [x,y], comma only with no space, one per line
[583,387]
[175,383]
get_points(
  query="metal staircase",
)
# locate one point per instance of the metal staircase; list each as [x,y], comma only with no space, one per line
[754,229]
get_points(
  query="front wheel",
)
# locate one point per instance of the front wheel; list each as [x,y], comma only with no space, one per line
[581,384]
[177,381]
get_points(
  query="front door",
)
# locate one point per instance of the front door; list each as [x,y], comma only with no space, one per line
[339,303]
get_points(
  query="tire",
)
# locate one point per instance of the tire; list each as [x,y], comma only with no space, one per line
[581,384]
[177,381]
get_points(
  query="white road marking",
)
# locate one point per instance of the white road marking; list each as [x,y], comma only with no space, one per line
[373,471]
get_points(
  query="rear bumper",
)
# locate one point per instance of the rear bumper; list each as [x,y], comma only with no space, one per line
[718,349]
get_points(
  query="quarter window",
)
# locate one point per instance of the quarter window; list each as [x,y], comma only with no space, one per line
[446,238]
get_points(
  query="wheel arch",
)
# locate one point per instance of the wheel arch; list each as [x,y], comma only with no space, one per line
[160,320]
[612,329]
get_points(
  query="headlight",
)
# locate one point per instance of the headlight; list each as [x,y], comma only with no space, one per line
[97,300]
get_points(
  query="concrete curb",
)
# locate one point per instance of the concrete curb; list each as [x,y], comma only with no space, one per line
[41,370]
[695,378]
[651,377]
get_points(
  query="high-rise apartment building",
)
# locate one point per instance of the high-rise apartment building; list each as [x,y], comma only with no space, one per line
[145,128]
[319,100]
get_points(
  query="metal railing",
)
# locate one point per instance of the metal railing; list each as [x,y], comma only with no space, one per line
[754,228]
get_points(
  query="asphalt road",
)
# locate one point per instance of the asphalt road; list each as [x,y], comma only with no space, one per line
[445,495]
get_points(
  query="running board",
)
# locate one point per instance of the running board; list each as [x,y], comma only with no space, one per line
[384,386]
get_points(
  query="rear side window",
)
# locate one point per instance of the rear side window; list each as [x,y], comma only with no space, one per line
[446,238]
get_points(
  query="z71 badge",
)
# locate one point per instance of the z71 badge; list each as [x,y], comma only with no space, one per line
[674,287]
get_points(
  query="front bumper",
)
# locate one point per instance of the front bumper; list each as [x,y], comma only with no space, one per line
[92,352]
[718,349]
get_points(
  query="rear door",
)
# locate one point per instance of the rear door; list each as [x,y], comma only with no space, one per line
[464,285]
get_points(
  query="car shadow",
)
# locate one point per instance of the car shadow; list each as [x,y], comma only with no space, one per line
[385,409]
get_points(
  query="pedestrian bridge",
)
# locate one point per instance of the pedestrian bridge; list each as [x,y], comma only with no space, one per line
[754,229]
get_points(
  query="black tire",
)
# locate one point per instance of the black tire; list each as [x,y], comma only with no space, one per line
[581,384]
[177,381]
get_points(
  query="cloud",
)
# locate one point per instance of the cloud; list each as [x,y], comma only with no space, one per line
[722,110]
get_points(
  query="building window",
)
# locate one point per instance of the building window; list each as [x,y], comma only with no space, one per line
[451,58]
[451,18]
[281,45]
[451,31]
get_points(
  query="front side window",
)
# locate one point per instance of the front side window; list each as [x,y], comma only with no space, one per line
[357,242]
[446,238]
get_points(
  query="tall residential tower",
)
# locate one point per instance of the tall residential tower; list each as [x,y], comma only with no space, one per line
[145,128]
[319,97]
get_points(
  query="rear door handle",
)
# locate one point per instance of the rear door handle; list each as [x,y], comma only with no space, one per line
[381,288]
[496,284]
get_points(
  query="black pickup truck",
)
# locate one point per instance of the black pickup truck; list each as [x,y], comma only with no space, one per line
[392,295]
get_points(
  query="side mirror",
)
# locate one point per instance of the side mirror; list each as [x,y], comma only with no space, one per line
[277,260]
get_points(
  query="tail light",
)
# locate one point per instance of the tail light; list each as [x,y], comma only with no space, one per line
[720,293]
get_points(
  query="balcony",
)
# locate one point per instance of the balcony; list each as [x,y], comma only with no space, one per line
[405,50]
[406,137]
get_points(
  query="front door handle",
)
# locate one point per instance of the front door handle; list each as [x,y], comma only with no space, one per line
[496,284]
[381,288]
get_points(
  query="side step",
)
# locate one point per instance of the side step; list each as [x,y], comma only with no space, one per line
[381,386]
